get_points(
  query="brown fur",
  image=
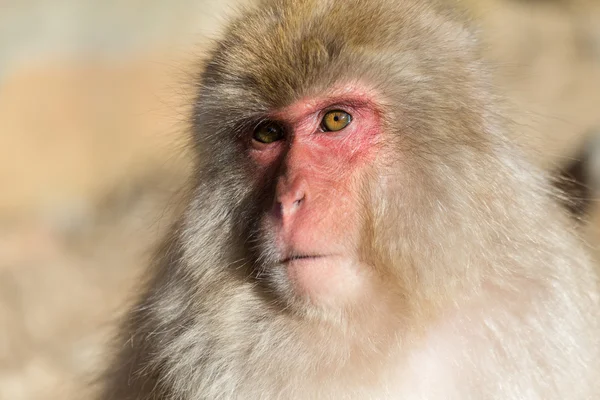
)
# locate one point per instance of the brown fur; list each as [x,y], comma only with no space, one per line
[481,290]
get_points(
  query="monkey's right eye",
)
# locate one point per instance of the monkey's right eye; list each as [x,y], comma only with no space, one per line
[268,132]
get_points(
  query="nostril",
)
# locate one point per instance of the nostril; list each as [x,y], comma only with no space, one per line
[290,204]
[299,201]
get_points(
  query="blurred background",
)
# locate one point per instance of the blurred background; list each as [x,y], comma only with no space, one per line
[94,100]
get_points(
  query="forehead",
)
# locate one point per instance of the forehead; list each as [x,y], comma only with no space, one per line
[354,95]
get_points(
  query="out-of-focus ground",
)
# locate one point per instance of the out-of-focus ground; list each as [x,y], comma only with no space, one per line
[94,98]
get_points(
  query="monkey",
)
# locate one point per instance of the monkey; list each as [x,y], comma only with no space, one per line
[360,226]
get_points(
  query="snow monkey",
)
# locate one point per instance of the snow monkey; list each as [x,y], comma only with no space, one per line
[360,226]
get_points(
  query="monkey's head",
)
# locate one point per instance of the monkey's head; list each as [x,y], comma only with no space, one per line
[344,142]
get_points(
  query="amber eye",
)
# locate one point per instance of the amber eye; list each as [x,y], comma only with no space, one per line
[336,120]
[268,132]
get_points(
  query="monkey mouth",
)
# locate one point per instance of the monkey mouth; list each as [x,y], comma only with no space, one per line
[301,257]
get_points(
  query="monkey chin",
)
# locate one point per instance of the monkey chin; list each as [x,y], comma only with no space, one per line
[326,281]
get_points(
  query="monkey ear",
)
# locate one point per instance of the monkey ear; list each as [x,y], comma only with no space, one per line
[579,179]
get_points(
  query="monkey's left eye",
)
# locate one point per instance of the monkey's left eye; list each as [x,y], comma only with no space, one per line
[268,132]
[336,121]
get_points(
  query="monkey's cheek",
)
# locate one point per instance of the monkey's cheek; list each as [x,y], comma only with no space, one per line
[332,280]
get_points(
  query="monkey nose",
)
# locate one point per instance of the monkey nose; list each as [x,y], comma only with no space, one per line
[290,197]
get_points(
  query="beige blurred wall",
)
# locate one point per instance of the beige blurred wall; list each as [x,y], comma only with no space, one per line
[547,61]
[93,93]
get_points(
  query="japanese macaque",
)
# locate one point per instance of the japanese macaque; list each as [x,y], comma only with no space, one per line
[360,227]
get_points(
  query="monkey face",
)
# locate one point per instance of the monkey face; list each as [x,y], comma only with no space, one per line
[333,149]
[316,152]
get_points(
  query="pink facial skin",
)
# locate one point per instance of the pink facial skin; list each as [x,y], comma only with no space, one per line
[314,217]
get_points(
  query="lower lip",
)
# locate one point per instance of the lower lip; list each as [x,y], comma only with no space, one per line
[323,278]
